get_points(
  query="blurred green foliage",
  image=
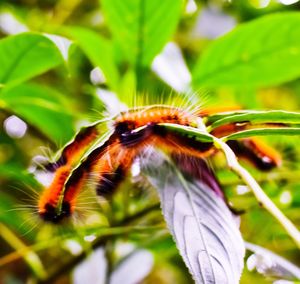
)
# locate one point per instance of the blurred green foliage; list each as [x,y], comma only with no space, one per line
[53,91]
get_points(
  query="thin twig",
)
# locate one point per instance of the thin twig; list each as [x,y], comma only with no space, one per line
[260,195]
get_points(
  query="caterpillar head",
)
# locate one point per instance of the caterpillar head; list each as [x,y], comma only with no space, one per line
[51,214]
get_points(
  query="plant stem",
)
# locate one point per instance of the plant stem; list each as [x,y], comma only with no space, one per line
[260,195]
[29,256]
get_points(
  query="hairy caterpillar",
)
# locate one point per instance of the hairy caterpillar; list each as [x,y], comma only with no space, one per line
[51,198]
[134,130]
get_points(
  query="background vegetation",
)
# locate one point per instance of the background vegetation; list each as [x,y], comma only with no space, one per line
[47,93]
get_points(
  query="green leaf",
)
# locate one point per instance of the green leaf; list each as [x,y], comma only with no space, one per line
[274,116]
[141,27]
[26,55]
[41,107]
[99,51]
[188,131]
[16,172]
[218,116]
[263,132]
[12,213]
[262,52]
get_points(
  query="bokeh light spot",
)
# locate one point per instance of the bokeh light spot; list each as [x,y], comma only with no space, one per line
[15,127]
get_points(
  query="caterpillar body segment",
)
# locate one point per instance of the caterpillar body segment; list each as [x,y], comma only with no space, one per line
[258,153]
[254,150]
[157,114]
[73,151]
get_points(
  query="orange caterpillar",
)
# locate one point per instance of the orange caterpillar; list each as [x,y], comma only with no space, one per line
[109,164]
[49,202]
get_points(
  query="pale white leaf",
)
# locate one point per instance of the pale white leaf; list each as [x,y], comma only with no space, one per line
[204,229]
[92,270]
[271,264]
[111,101]
[133,269]
[63,44]
[170,66]
[222,23]
[9,24]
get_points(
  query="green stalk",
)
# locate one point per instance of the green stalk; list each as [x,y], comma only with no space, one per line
[260,195]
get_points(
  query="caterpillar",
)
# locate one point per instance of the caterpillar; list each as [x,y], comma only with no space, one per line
[49,202]
[108,164]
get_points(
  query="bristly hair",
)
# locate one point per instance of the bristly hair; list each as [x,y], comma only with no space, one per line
[190,102]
